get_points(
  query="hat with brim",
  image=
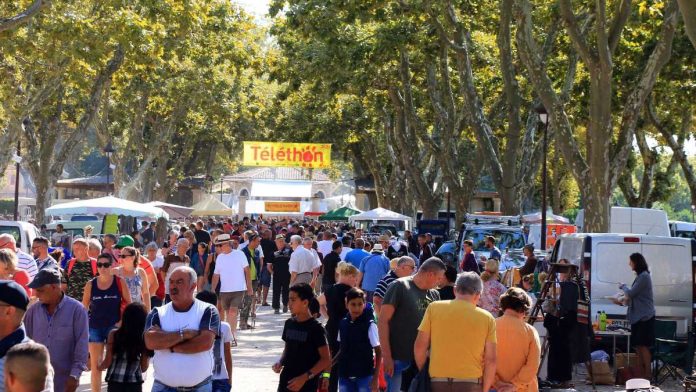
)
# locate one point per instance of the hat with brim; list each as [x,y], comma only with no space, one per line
[377,248]
[44,277]
[222,238]
[637,383]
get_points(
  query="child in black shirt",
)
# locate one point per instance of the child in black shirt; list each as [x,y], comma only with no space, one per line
[306,352]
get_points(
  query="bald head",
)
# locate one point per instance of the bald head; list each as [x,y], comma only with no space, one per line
[7,241]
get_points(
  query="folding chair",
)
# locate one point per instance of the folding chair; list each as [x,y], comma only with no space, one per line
[670,355]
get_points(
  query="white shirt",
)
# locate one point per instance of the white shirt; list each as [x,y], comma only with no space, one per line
[230,267]
[158,262]
[317,259]
[226,333]
[372,333]
[168,365]
[344,252]
[324,247]
[27,263]
[302,260]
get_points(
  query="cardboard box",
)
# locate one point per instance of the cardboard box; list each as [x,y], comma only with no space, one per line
[621,360]
[602,374]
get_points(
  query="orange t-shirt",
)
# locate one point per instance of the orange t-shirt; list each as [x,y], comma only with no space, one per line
[517,353]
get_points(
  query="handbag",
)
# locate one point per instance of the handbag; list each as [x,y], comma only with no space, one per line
[550,306]
[421,383]
[583,304]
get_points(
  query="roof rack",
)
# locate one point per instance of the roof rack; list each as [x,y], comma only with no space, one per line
[480,219]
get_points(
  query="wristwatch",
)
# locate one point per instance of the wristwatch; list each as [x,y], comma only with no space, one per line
[309,374]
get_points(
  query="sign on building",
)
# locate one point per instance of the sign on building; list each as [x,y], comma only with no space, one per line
[308,155]
[282,206]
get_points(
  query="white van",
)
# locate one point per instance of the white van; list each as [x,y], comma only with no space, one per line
[23,232]
[682,229]
[603,261]
[633,220]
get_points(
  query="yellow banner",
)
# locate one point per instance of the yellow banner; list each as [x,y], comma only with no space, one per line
[309,155]
[282,206]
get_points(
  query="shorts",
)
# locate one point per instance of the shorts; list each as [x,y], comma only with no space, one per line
[232,299]
[265,278]
[222,385]
[99,335]
[643,333]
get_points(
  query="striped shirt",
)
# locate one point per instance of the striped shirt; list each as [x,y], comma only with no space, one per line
[384,283]
[27,263]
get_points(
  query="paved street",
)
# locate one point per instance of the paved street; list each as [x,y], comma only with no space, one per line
[258,349]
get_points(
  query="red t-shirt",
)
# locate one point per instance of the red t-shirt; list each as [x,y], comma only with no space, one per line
[22,278]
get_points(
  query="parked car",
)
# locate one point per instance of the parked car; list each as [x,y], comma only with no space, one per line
[633,220]
[23,232]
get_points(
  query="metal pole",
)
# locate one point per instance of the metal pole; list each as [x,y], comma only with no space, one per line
[220,188]
[108,169]
[448,211]
[16,199]
[543,193]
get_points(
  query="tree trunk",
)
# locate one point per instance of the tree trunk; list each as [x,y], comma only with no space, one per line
[44,194]
[688,11]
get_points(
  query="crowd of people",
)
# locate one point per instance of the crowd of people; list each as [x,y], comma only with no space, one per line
[365,313]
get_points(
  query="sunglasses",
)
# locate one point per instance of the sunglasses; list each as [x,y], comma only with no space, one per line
[123,256]
[103,265]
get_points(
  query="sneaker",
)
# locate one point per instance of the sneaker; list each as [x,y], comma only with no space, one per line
[276,311]
[285,309]
[265,304]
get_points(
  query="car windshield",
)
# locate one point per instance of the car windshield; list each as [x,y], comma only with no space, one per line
[14,230]
[504,239]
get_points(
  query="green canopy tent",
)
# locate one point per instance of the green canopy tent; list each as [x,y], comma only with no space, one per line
[339,214]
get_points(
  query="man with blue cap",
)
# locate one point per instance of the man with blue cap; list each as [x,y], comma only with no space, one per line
[13,305]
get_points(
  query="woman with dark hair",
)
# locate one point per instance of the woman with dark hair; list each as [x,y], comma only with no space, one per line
[641,311]
[126,356]
[102,297]
[198,262]
[518,348]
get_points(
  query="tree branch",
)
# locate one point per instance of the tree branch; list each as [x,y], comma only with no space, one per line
[23,17]
[636,100]
[621,15]
[576,36]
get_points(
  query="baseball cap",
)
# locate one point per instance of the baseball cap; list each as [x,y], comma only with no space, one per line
[279,236]
[44,277]
[13,294]
[124,240]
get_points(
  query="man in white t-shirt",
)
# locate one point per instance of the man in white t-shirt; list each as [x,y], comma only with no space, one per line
[303,264]
[324,246]
[232,271]
[182,334]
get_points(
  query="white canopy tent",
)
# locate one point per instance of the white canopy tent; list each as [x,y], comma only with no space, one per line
[108,205]
[380,215]
[550,218]
[175,211]
[211,207]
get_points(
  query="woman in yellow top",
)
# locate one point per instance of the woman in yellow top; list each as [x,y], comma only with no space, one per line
[518,350]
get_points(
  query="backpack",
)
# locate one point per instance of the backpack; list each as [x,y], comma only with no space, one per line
[72,262]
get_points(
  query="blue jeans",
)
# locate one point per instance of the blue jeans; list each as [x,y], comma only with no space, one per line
[394,382]
[202,387]
[222,385]
[354,384]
